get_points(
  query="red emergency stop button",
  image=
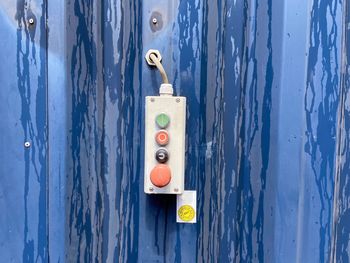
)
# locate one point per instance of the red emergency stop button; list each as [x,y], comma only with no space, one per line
[160,175]
[162,137]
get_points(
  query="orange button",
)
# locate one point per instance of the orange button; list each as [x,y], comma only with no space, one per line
[162,138]
[160,175]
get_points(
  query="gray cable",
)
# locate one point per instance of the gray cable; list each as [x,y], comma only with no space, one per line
[159,66]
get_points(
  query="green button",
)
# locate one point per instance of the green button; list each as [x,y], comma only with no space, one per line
[162,120]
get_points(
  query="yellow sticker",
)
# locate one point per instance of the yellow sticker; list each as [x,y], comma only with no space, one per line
[186,213]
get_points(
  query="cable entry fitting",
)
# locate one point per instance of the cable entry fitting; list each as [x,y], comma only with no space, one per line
[154,58]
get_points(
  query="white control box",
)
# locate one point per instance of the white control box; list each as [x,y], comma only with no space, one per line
[165,126]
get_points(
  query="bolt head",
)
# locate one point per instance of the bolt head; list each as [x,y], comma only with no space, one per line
[151,189]
[152,99]
[176,190]
[31,21]
[154,20]
[27,144]
[177,100]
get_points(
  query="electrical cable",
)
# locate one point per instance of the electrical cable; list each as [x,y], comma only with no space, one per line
[159,66]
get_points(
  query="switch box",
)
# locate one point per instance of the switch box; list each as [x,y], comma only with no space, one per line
[165,125]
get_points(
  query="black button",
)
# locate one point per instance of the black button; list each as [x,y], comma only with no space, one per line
[162,155]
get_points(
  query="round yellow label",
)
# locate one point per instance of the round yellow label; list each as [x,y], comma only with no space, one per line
[186,213]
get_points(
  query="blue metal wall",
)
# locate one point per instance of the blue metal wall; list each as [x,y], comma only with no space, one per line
[23,118]
[268,130]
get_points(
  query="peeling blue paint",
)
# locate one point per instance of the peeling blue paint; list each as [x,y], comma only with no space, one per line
[267,130]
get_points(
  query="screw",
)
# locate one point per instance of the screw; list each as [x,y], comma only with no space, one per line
[151,189]
[27,144]
[31,21]
[152,99]
[176,190]
[177,100]
[154,20]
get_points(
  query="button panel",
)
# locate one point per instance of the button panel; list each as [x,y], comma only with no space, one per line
[165,144]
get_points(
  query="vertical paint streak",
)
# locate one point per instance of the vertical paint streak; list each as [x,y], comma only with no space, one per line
[33,120]
[265,136]
[321,103]
[235,27]
[202,249]
[83,82]
[341,211]
[247,131]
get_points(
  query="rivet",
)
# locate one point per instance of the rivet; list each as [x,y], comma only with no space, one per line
[176,190]
[27,144]
[154,20]
[31,21]
[177,100]
[151,189]
[152,99]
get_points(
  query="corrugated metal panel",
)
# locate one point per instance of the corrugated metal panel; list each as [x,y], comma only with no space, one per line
[341,211]
[267,130]
[23,118]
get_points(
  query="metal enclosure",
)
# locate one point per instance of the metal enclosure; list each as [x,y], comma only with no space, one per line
[175,108]
[267,139]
